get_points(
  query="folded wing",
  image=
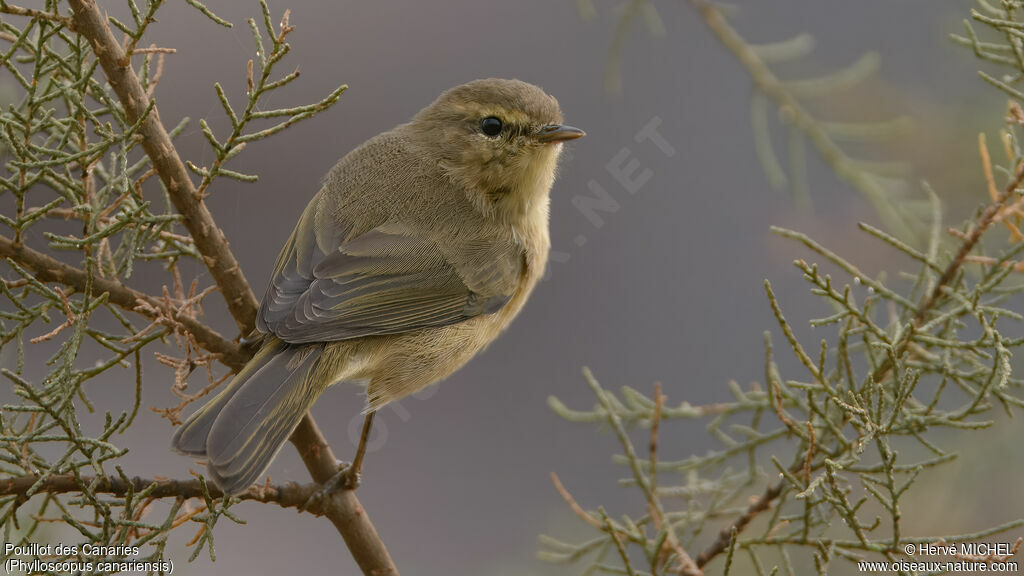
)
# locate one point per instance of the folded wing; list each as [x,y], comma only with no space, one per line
[389,280]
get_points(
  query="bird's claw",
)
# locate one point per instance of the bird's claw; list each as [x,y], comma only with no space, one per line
[346,478]
[350,478]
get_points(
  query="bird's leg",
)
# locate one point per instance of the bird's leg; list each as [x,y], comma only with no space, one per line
[356,468]
[347,476]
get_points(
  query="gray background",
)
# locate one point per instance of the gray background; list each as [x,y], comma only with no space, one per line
[668,288]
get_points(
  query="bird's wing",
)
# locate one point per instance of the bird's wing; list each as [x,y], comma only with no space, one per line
[389,280]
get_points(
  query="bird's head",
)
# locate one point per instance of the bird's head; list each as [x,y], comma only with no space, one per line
[499,139]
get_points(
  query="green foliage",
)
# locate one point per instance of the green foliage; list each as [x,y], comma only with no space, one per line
[258,87]
[72,155]
[789,106]
[847,436]
[1005,50]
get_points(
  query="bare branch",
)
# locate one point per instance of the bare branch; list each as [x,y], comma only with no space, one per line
[725,536]
[342,507]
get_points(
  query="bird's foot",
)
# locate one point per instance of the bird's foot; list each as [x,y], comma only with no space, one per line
[346,478]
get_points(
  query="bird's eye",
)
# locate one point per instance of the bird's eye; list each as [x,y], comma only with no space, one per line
[491,126]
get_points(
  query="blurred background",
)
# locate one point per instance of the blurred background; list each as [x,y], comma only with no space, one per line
[665,285]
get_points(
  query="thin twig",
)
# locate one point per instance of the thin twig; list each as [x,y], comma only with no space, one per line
[768,83]
[986,220]
[725,536]
[993,190]
[607,527]
[342,508]
[796,113]
[33,13]
[686,565]
[90,22]
[69,320]
[573,505]
[659,402]
[154,50]
[47,269]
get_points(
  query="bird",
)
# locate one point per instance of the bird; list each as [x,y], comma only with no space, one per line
[418,250]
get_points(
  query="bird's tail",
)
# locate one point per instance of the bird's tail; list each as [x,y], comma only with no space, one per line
[243,428]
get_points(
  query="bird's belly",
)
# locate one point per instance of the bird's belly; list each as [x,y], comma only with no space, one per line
[402,364]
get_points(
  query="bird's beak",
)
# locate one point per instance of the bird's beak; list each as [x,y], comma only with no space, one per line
[559,133]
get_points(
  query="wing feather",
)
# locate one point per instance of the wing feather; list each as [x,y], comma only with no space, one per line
[389,280]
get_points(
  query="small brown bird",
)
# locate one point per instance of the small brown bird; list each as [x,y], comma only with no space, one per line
[420,248]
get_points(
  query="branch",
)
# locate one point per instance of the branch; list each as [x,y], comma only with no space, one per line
[685,564]
[797,115]
[48,269]
[929,302]
[725,537]
[932,299]
[6,8]
[987,218]
[209,239]
[769,84]
[342,508]
[290,495]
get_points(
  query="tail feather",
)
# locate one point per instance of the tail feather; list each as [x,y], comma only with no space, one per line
[243,428]
[190,438]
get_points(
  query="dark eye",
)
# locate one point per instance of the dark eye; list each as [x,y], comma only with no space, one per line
[491,126]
